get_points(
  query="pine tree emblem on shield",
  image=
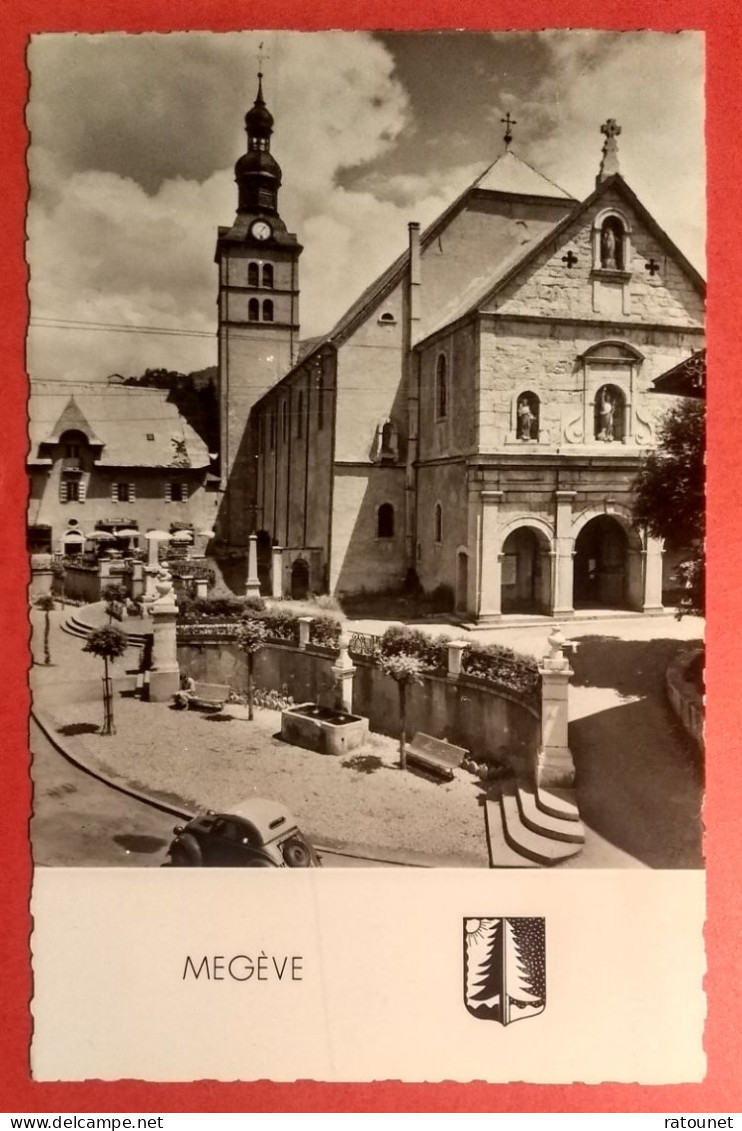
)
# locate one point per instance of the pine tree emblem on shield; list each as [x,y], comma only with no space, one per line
[504,968]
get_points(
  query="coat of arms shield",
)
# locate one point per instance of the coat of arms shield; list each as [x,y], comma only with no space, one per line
[504,967]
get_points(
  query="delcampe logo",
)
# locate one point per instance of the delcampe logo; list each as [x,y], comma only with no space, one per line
[504,968]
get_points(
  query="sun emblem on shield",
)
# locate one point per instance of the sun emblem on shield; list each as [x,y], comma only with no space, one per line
[504,968]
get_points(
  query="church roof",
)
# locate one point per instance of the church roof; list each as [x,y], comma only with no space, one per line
[120,419]
[508,174]
[687,379]
[511,174]
[484,290]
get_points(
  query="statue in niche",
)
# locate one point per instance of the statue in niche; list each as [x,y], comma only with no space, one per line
[605,416]
[608,247]
[526,418]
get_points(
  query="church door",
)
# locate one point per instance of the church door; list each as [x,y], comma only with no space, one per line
[299,579]
[522,572]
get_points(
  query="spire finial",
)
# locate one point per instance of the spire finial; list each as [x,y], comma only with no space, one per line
[508,122]
[609,164]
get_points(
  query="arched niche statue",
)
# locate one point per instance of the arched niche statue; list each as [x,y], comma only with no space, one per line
[527,414]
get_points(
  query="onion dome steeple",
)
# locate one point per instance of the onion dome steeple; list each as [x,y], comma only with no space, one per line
[257,173]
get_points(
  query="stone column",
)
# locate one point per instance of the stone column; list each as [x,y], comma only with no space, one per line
[455,655]
[343,671]
[277,572]
[164,678]
[564,564]
[137,579]
[252,587]
[305,627]
[202,588]
[554,764]
[490,570]
[151,573]
[653,576]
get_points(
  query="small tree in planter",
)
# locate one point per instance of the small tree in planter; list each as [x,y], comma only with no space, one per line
[250,638]
[109,643]
[114,595]
[404,670]
[46,603]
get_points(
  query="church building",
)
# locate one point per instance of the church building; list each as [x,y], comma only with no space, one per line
[476,417]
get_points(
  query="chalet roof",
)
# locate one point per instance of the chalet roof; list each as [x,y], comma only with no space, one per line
[686,379]
[118,419]
[483,291]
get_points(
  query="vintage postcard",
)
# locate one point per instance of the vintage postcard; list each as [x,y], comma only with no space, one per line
[366,517]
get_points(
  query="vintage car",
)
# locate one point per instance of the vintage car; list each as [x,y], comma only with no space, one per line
[254,834]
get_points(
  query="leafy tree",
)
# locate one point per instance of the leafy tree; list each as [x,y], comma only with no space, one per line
[114,595]
[47,603]
[669,492]
[109,643]
[404,670]
[250,638]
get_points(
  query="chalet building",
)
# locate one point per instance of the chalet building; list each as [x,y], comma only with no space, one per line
[477,416]
[114,458]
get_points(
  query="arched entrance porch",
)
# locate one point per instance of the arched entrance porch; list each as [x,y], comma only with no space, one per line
[605,562]
[526,572]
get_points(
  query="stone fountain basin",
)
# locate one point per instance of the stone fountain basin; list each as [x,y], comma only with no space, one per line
[324,729]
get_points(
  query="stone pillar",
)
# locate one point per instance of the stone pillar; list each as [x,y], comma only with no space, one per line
[343,671]
[137,580]
[305,627]
[104,572]
[252,587]
[152,553]
[554,764]
[564,564]
[277,572]
[202,588]
[455,655]
[489,606]
[653,576]
[164,678]
[151,573]
[42,574]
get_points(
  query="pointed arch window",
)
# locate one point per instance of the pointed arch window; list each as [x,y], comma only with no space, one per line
[253,275]
[253,310]
[385,521]
[438,523]
[441,387]
[267,310]
[268,275]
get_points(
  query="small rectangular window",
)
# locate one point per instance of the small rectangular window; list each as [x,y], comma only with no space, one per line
[73,491]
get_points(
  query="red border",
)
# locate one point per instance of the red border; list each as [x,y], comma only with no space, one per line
[720,1092]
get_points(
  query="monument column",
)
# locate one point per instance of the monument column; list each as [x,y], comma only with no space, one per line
[652,602]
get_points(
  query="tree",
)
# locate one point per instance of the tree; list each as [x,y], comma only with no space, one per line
[503,977]
[669,494]
[109,643]
[250,638]
[404,670]
[46,603]
[114,595]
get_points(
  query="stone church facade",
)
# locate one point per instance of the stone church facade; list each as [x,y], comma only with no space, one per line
[477,416]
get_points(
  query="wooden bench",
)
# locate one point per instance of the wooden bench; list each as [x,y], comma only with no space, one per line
[209,696]
[435,754]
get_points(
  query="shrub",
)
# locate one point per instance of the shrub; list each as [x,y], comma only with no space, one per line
[282,624]
[432,651]
[325,631]
[197,610]
[502,667]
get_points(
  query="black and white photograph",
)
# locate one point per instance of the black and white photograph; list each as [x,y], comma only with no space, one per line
[366,443]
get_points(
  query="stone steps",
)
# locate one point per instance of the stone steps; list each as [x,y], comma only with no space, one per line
[558,803]
[534,817]
[501,853]
[76,625]
[536,840]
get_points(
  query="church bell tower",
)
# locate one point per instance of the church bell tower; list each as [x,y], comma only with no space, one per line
[258,261]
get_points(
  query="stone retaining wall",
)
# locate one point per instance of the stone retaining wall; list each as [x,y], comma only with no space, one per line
[685,699]
[465,711]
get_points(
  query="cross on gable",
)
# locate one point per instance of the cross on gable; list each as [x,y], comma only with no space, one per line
[610,128]
[570,258]
[262,55]
[652,266]
[507,122]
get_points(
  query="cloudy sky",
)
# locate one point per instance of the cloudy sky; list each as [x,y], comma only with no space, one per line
[134,139]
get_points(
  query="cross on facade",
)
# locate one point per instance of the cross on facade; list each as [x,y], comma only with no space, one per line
[653,267]
[570,258]
[507,122]
[610,128]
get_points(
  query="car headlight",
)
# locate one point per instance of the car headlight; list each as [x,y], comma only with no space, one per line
[296,854]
